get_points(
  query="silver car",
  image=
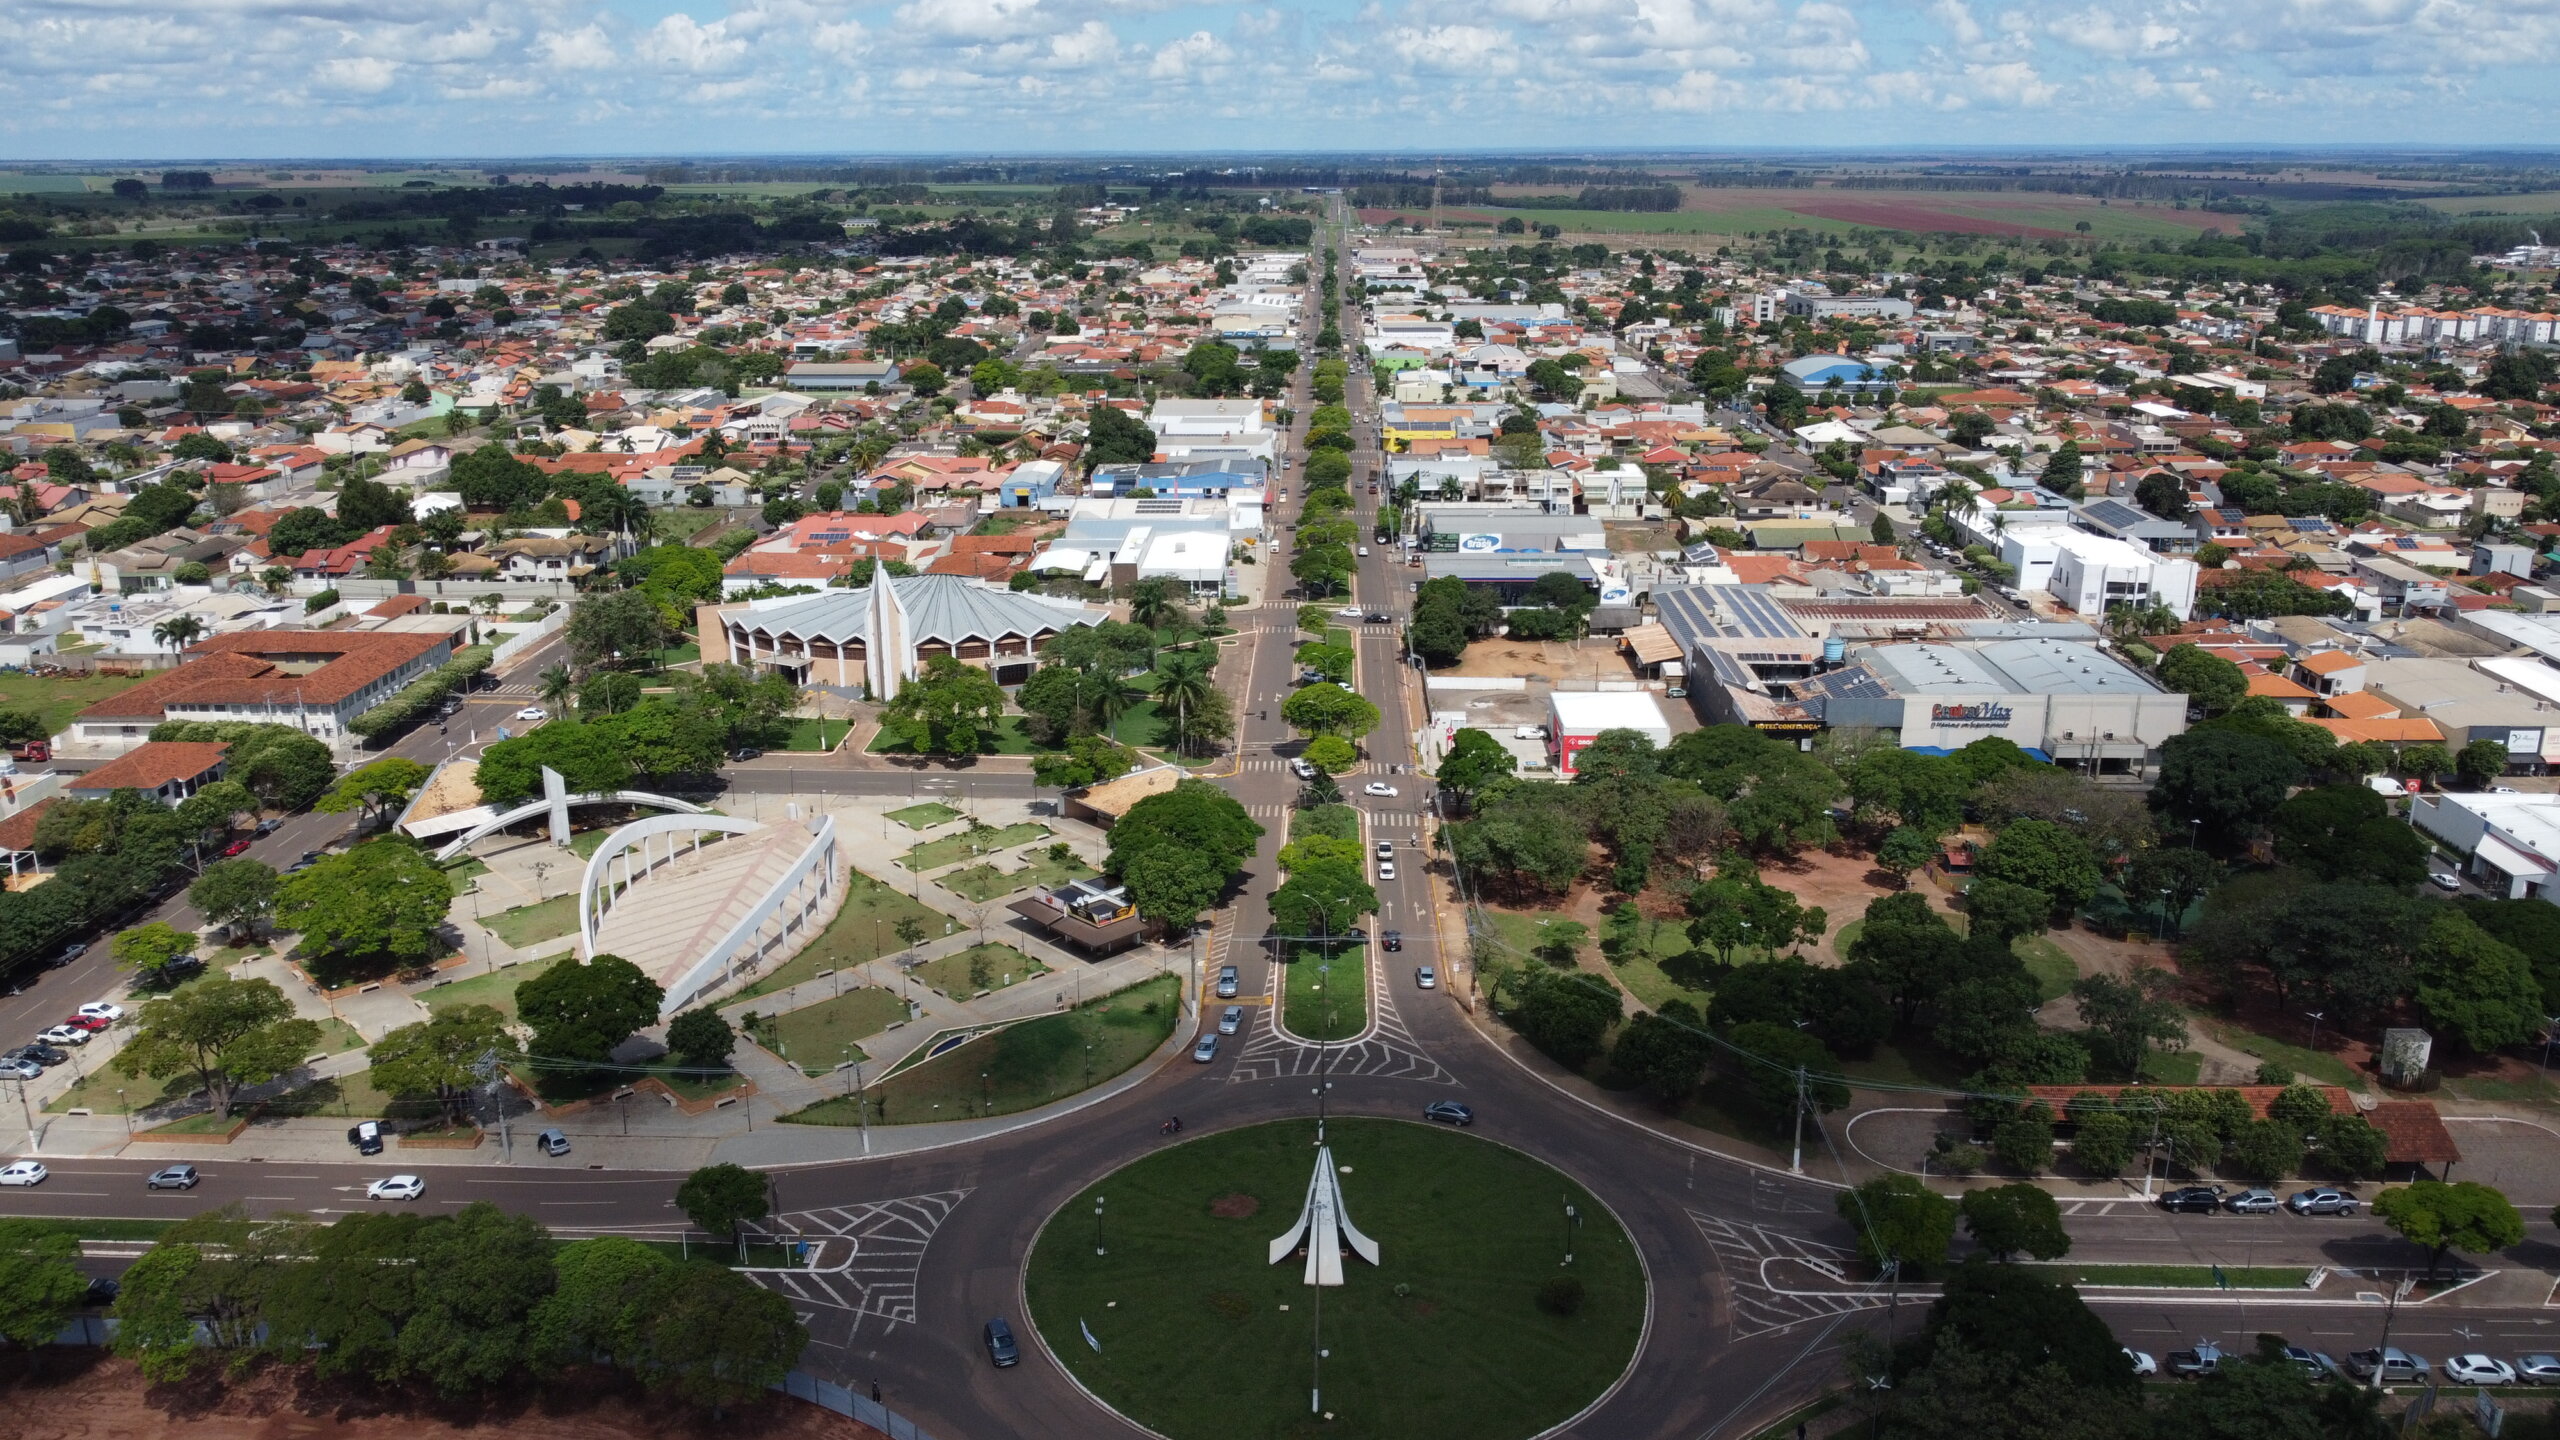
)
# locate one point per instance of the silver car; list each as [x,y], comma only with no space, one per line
[2538,1369]
[2253,1202]
[1206,1050]
[1231,1020]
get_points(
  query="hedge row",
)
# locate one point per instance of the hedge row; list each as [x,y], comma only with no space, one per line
[423,694]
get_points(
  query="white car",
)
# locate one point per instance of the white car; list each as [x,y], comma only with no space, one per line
[1364,552]
[2479,1370]
[101,1010]
[24,1172]
[1378,787]
[1386,869]
[1348,612]
[2143,1364]
[65,1035]
[2445,880]
[398,1187]
[533,712]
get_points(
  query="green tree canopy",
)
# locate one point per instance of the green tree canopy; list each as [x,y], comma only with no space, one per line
[720,1198]
[227,1032]
[949,707]
[1899,1218]
[443,1055]
[383,897]
[582,1011]
[2464,1215]
[2204,677]
[2013,1220]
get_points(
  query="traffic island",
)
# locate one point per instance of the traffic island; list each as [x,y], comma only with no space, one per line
[1471,1325]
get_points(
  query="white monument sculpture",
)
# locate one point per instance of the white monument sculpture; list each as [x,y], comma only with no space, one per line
[1325,1225]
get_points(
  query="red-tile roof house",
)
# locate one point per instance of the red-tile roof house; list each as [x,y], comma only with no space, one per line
[167,770]
[315,680]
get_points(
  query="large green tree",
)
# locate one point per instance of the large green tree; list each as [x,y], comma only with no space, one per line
[2012,1220]
[949,707]
[443,1056]
[480,1276]
[591,760]
[227,1032]
[236,894]
[720,1198]
[2204,677]
[619,627]
[600,1304]
[2045,857]
[375,789]
[582,1011]
[715,1339]
[1899,1218]
[2227,781]
[381,898]
[2464,1215]
[1179,850]
[40,1281]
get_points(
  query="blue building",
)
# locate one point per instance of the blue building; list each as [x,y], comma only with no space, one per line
[1190,479]
[1836,374]
[1031,482]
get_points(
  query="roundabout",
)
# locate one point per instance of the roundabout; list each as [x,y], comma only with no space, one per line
[1472,1323]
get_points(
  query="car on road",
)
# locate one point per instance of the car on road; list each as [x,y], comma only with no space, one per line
[2197,1363]
[2477,1369]
[103,1010]
[1347,612]
[2253,1202]
[366,1137]
[2394,1364]
[1448,1112]
[65,1035]
[746,752]
[2144,1366]
[1364,551]
[1392,939]
[2193,1199]
[13,1068]
[1386,869]
[23,1172]
[1386,849]
[1378,787]
[1426,977]
[71,952]
[1381,617]
[269,827]
[533,712]
[1303,768]
[2323,1201]
[236,847]
[1231,1020]
[396,1187]
[2444,880]
[1000,1346]
[2311,1362]
[1206,1048]
[101,1292]
[1227,982]
[2538,1369]
[174,1177]
[309,859]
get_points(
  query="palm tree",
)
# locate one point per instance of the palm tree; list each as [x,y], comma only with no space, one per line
[1154,604]
[557,684]
[178,632]
[1107,698]
[1182,689]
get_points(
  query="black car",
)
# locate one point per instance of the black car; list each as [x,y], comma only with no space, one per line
[2193,1199]
[1000,1346]
[1393,940]
[40,1053]
[102,1292]
[746,752]
[1380,617]
[367,1137]
[1448,1112]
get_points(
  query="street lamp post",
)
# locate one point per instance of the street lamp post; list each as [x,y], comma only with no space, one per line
[2318,1016]
[1572,1224]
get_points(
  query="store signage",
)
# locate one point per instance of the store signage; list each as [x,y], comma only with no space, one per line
[1980,715]
[1479,544]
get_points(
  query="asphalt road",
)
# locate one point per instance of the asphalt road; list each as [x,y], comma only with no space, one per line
[1745,1321]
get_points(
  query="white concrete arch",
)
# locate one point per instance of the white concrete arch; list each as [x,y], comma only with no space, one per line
[531,808]
[639,833]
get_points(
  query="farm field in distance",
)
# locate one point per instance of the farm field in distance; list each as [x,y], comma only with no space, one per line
[1736,210]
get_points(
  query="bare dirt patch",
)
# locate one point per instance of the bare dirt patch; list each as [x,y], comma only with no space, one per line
[1234,1206]
[1555,661]
[68,1394]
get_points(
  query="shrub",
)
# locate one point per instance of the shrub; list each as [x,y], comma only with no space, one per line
[313,605]
[1561,1296]
[423,694]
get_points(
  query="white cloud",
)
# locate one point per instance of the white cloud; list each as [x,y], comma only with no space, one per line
[356,74]
[1186,56]
[585,48]
[681,42]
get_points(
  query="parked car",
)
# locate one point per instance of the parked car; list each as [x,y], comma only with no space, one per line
[100,1292]
[2444,880]
[366,1137]
[2252,1202]
[2477,1369]
[236,847]
[746,752]
[65,1035]
[551,1142]
[90,1023]
[23,1172]
[1378,787]
[1426,977]
[41,1053]
[1207,1048]
[396,1187]
[269,827]
[1231,1020]
[1000,1346]
[2312,1362]
[2143,1365]
[2193,1199]
[174,1177]
[2323,1201]
[1393,940]
[13,1068]
[1227,982]
[1449,1112]
[2197,1363]
[103,1010]
[2394,1364]
[2538,1369]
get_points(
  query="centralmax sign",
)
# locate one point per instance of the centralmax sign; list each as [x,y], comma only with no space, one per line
[1982,714]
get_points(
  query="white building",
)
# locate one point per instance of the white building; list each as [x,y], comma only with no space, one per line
[2092,573]
[2509,843]
[1227,420]
[1575,718]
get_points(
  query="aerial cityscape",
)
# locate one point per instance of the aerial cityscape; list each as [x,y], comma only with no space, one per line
[1467,723]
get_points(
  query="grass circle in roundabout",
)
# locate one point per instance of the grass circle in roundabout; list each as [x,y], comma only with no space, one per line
[1471,1327]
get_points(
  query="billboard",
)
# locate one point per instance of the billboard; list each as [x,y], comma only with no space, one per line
[1479,544]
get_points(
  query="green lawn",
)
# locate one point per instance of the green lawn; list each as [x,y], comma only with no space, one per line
[532,924]
[97,1091]
[1022,1066]
[1011,739]
[1004,966]
[337,1037]
[985,882]
[2173,1067]
[1444,1340]
[56,700]
[809,733]
[496,988]
[1326,999]
[2310,1064]
[865,929]
[925,816]
[2187,1277]
[464,869]
[2046,961]
[977,841]
[350,1097]
[818,1037]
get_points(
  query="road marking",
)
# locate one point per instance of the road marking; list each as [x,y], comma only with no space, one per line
[573,1202]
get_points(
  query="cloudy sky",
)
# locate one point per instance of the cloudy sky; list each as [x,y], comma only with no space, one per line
[490,78]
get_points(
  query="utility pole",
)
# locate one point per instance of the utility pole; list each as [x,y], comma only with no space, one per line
[1795,1166]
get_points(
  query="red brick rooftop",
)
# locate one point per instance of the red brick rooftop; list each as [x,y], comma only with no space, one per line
[156,763]
[249,669]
